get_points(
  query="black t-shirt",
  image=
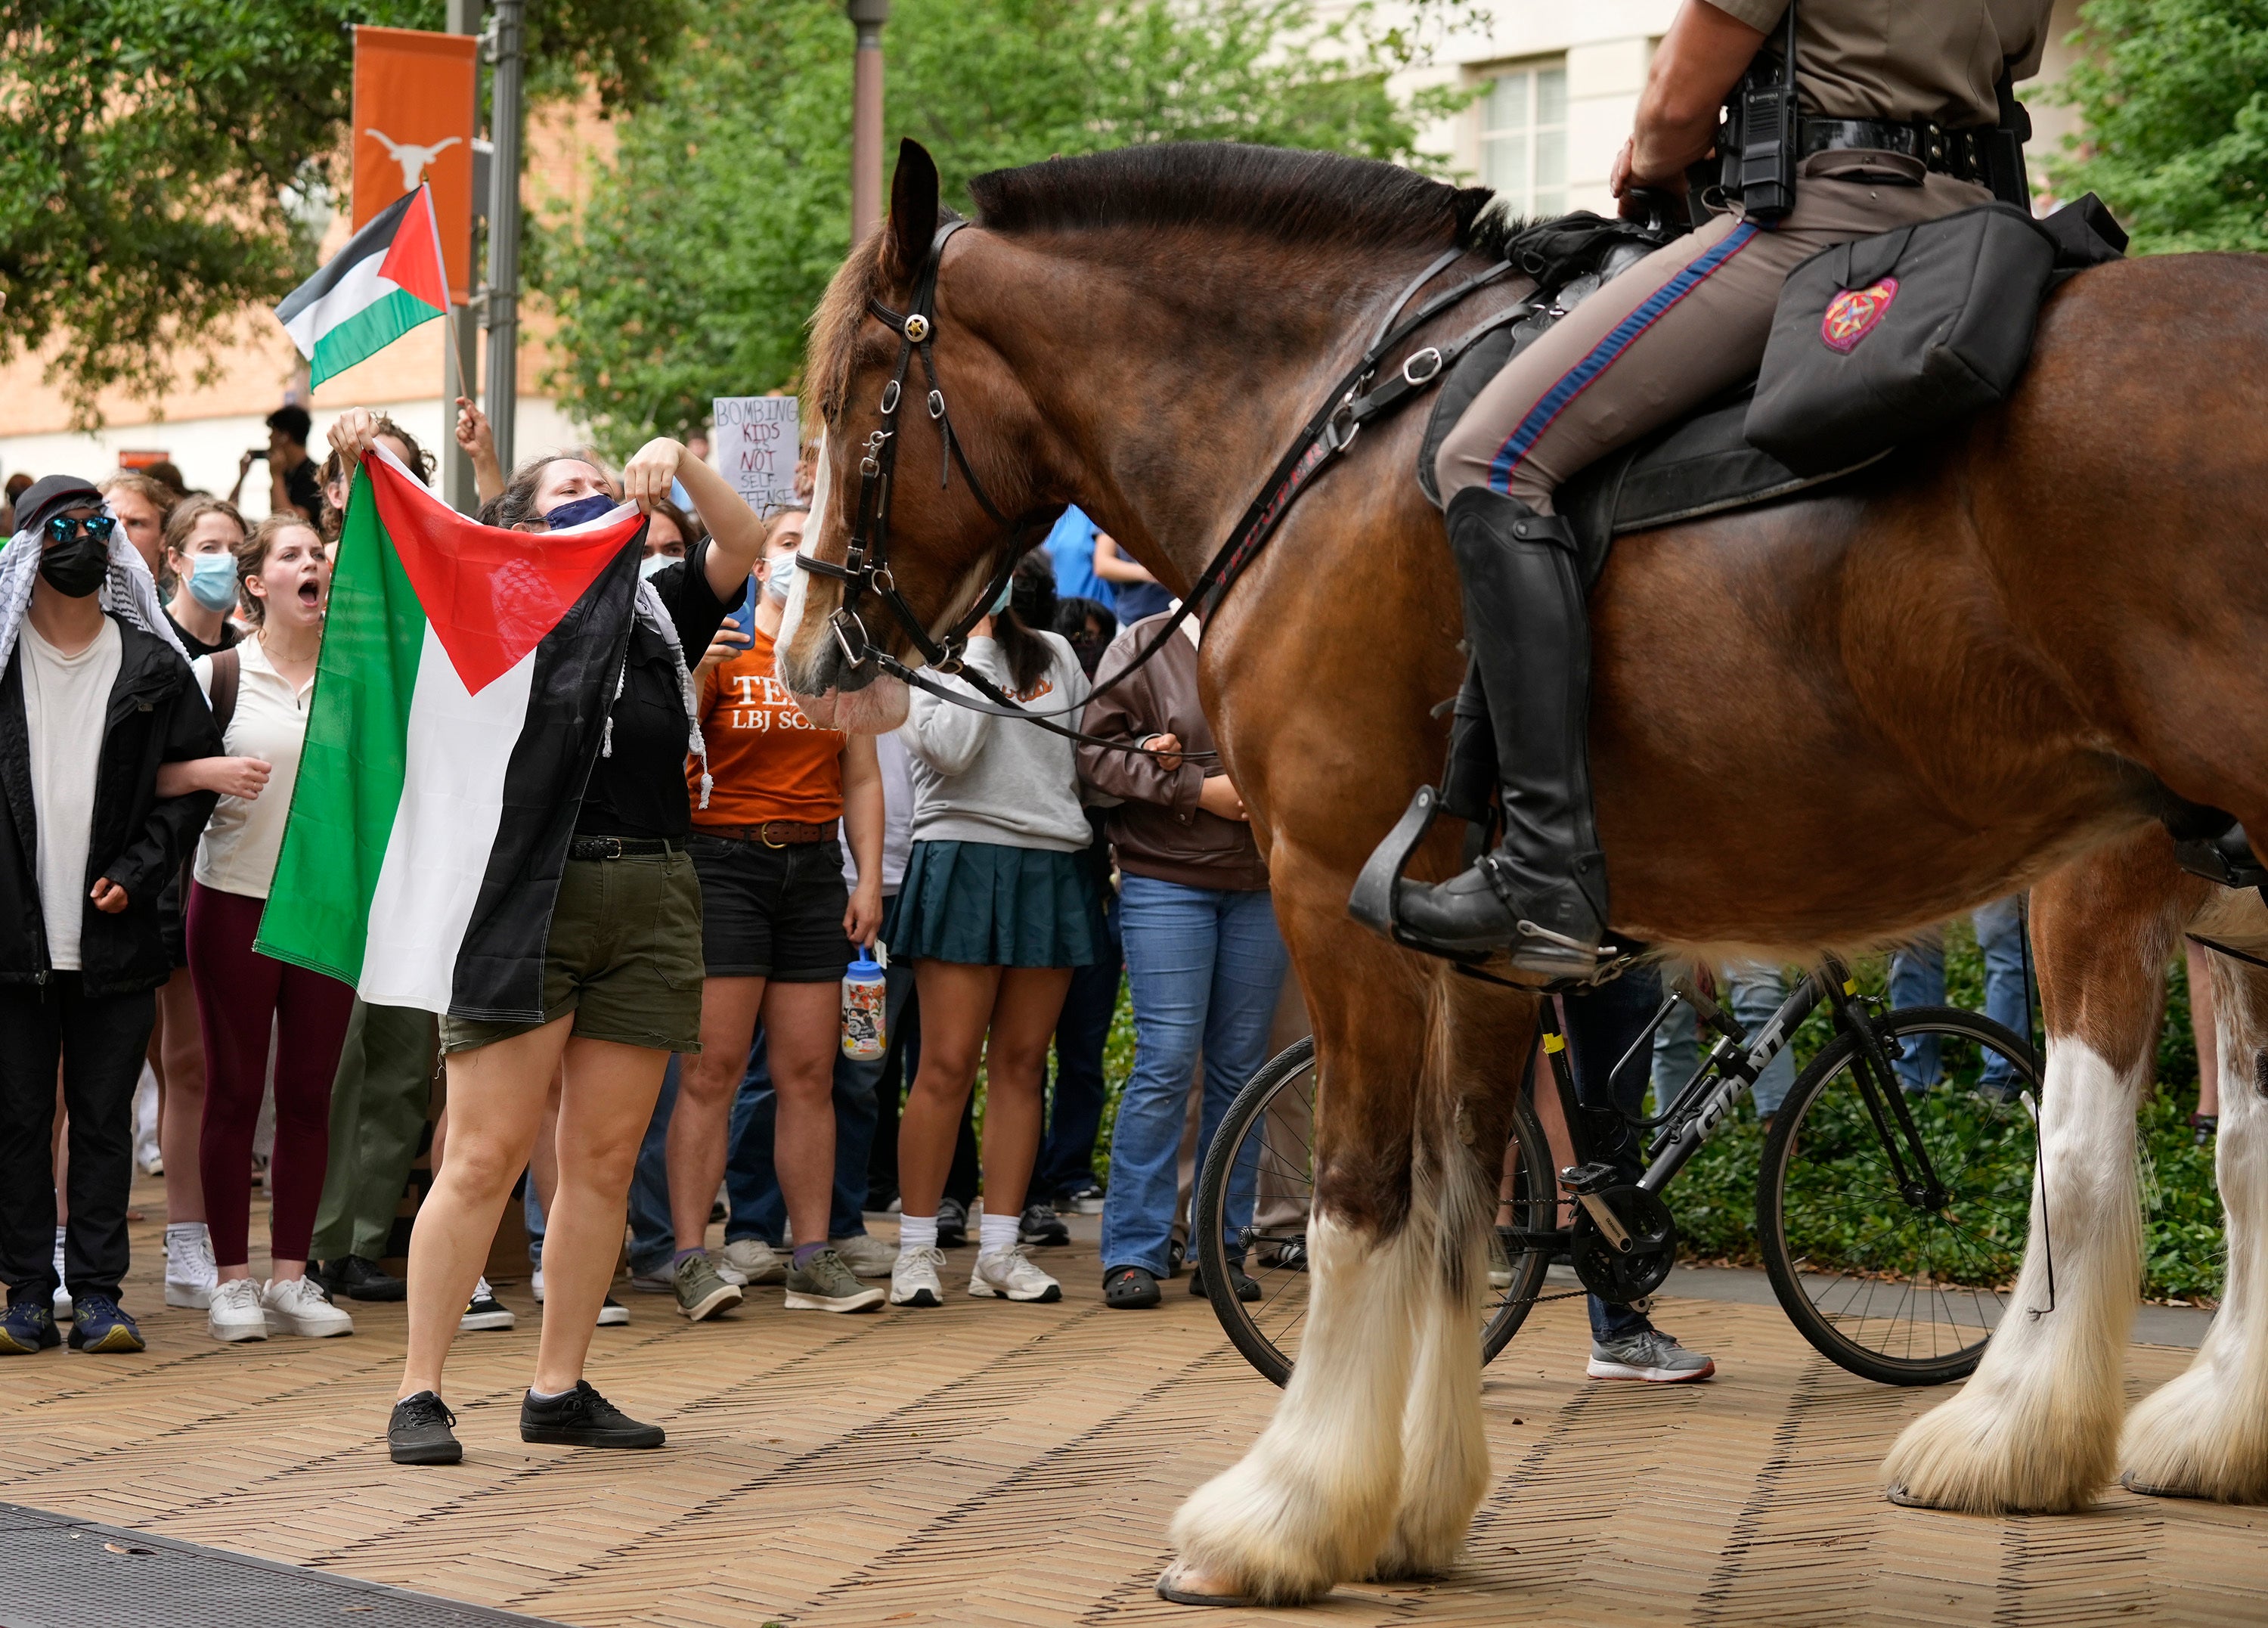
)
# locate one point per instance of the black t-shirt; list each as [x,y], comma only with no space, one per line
[196,646]
[640,790]
[303,485]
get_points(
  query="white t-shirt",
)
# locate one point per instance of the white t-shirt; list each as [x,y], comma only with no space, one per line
[242,839]
[66,699]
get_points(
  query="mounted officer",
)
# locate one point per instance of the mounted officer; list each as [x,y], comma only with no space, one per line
[1887,120]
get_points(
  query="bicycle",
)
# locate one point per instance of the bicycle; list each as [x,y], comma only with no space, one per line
[1891,1224]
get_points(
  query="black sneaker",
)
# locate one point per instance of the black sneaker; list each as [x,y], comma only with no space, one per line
[1042,1225]
[952,1224]
[360,1279]
[419,1432]
[1247,1287]
[583,1419]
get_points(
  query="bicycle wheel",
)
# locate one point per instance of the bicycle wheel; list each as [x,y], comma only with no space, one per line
[1254,1197]
[1885,1277]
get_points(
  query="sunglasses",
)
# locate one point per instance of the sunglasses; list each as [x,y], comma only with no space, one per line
[64,527]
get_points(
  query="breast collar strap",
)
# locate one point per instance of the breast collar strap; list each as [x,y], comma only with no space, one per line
[866,567]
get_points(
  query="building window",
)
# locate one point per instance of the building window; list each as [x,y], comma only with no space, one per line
[1524,138]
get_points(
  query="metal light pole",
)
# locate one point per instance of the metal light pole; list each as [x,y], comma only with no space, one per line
[867,17]
[461,368]
[503,225]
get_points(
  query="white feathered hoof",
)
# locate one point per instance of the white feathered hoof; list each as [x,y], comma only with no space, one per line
[1982,1454]
[1264,1533]
[2192,1439]
[1429,1541]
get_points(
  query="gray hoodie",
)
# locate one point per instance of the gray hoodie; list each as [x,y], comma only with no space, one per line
[979,778]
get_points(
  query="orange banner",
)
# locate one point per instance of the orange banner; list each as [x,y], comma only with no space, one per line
[413,96]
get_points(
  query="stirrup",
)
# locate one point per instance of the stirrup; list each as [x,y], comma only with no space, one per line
[2226,860]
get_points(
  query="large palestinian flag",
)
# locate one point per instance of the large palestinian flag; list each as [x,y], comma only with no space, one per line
[458,708]
[387,280]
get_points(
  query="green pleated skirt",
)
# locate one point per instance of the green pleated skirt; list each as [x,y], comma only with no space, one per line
[985,904]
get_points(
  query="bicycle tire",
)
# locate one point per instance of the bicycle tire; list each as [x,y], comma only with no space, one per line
[1819,1140]
[1282,1307]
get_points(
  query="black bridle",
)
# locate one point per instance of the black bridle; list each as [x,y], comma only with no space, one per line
[866,569]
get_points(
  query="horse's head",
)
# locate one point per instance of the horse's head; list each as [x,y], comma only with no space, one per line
[889,481]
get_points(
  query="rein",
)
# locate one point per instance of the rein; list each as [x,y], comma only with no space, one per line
[1321,443]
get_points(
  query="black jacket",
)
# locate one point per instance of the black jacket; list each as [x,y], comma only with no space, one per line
[157,715]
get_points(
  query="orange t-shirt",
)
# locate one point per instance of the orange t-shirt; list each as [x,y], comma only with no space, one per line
[767,761]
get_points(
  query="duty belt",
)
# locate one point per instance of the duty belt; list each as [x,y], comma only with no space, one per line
[1958,153]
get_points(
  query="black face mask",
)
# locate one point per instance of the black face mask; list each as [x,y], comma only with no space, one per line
[75,568]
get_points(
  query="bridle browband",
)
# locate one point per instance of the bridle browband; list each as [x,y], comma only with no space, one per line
[1322,442]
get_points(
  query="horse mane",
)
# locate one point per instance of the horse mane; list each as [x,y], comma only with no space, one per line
[1295,198]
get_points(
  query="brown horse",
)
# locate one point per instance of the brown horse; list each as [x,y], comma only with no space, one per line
[1823,723]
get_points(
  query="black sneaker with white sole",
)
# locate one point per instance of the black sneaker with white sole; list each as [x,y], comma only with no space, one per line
[484,1311]
[419,1432]
[582,1417]
[952,1224]
[1041,1224]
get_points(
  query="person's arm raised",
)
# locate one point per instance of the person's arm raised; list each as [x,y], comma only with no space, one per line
[736,536]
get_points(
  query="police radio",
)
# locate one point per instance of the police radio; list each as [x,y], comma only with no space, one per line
[1757,142]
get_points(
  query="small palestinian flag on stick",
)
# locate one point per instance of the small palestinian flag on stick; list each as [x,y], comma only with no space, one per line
[387,280]
[459,705]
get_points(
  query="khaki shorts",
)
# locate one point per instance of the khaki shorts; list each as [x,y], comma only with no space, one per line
[624,957]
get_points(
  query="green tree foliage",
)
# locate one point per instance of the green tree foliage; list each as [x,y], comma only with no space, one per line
[2174,96]
[166,162]
[707,243]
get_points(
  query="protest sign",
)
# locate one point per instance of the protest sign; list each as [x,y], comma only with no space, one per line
[756,441]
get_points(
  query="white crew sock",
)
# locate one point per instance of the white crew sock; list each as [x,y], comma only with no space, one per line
[916,1232]
[995,1233]
[59,1250]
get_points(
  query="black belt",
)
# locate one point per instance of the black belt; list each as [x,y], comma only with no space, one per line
[619,847]
[1957,153]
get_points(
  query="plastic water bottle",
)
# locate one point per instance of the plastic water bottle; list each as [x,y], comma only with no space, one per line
[865,995]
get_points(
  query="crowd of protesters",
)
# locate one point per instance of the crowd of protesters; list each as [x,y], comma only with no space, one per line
[1001,885]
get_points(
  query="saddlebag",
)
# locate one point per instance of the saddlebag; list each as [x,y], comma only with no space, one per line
[1885,339]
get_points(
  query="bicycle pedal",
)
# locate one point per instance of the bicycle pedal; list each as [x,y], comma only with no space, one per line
[1581,1180]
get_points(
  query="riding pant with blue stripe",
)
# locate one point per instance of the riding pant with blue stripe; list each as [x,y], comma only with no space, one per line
[1686,322]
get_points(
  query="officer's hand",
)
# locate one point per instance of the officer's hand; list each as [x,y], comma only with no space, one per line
[1168,748]
[1217,796]
[1618,177]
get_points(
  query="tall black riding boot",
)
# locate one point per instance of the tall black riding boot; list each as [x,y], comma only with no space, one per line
[1542,894]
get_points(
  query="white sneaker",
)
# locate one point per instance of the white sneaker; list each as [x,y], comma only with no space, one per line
[190,1274]
[61,1303]
[301,1306]
[914,1280]
[234,1312]
[1009,1275]
[752,1260]
[868,1256]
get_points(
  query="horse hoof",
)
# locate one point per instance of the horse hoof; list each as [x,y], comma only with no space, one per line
[1184,1593]
[1904,1499]
[2143,1489]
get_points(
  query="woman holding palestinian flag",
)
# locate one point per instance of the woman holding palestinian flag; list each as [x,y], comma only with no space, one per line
[621,973]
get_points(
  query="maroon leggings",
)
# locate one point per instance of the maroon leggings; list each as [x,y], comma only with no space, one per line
[239,995]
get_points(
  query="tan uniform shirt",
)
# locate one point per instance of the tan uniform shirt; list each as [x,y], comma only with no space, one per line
[1905,59]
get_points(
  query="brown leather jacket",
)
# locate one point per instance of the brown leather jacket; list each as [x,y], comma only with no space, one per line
[1158,829]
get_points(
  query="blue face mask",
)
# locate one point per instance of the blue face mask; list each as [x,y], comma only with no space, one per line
[779,581]
[654,562]
[212,580]
[1007,592]
[577,513]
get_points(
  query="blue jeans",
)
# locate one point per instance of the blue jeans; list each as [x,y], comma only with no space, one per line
[1067,1156]
[1205,968]
[1752,993]
[751,1184]
[653,1235]
[1917,979]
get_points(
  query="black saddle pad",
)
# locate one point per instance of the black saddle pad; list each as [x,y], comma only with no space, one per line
[1701,465]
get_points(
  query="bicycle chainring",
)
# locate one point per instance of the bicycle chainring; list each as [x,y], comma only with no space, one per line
[1616,1275]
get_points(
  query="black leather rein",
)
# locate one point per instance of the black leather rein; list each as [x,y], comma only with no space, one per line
[1321,443]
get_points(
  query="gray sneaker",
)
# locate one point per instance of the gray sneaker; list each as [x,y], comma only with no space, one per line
[701,1292]
[1650,1355]
[825,1283]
